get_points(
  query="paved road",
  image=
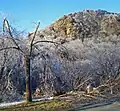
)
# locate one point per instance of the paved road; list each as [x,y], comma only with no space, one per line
[111,107]
[106,108]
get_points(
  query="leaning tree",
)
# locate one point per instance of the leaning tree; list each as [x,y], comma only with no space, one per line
[27,52]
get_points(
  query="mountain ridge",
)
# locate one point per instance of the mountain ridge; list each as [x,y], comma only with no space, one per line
[82,25]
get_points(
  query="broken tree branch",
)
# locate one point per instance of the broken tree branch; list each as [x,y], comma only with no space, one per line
[31,44]
[7,25]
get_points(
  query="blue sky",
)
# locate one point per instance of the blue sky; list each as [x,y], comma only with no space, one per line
[23,13]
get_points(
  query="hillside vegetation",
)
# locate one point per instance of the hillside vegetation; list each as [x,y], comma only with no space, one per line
[85,50]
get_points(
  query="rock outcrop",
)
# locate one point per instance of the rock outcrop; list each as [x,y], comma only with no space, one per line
[82,25]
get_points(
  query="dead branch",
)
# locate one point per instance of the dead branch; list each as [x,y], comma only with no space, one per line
[9,85]
[89,96]
[31,44]
[7,25]
[6,48]
[10,38]
[83,82]
[45,41]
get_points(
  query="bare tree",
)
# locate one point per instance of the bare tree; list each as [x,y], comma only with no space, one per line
[27,53]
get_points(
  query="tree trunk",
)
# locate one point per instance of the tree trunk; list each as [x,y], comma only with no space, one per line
[28,84]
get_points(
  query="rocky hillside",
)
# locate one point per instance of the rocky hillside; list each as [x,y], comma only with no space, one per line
[84,24]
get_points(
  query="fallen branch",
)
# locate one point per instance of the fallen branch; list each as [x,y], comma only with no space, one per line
[83,83]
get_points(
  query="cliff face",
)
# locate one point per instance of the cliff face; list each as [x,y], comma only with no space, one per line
[85,24]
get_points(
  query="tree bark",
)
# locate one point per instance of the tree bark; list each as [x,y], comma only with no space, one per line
[28,83]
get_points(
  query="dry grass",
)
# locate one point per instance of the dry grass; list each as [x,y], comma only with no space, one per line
[53,105]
